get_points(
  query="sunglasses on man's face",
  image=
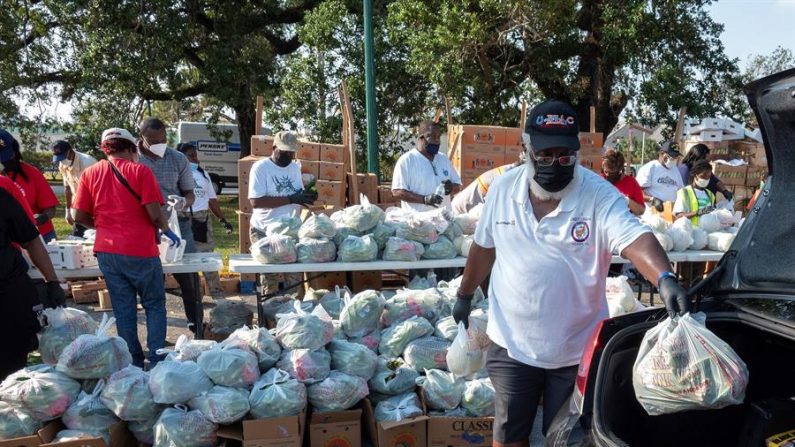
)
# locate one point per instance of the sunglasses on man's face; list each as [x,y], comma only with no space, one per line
[547,160]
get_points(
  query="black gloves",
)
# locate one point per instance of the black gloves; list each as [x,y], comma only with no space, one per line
[463,305]
[55,295]
[302,198]
[448,187]
[674,296]
[658,204]
[41,218]
[705,210]
[226,226]
[727,194]
[432,200]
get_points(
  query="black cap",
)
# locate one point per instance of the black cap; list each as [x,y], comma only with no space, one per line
[60,149]
[553,124]
[670,148]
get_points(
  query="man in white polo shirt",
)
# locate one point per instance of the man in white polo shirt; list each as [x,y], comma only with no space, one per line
[659,178]
[546,235]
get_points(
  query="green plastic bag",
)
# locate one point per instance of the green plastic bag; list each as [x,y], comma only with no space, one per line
[427,353]
[478,398]
[317,226]
[358,249]
[276,394]
[361,313]
[41,390]
[441,389]
[337,392]
[398,408]
[222,405]
[394,339]
[353,358]
[127,394]
[393,376]
[179,427]
[16,422]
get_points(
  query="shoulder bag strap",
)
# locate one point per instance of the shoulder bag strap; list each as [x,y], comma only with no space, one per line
[123,181]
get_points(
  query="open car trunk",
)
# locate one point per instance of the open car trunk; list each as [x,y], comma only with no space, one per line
[619,417]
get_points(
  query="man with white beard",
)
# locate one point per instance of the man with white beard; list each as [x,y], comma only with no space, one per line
[546,235]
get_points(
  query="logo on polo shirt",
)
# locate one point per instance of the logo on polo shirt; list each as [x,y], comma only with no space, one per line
[580,232]
[506,222]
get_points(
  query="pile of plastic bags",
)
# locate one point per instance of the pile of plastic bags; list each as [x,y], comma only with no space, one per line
[620,297]
[276,394]
[41,391]
[95,356]
[64,325]
[681,365]
[717,226]
[274,249]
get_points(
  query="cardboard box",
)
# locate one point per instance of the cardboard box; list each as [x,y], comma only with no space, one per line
[325,280]
[731,175]
[481,161]
[310,167]
[368,185]
[385,194]
[336,429]
[87,291]
[230,285]
[785,439]
[244,238]
[45,434]
[330,193]
[308,151]
[272,432]
[475,135]
[593,140]
[66,254]
[367,280]
[512,153]
[261,146]
[331,171]
[334,153]
[171,282]
[119,437]
[243,173]
[460,432]
[513,136]
[755,175]
[104,300]
[408,433]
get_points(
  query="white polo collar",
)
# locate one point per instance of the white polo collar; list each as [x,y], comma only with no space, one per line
[520,192]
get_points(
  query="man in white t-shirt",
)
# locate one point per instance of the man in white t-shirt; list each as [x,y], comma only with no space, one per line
[546,235]
[419,173]
[71,165]
[660,178]
[275,189]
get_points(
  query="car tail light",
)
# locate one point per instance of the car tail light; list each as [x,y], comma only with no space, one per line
[594,343]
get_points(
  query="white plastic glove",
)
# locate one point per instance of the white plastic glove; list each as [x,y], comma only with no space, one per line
[177,202]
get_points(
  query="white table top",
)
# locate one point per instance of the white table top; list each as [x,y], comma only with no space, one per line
[242,263]
[190,263]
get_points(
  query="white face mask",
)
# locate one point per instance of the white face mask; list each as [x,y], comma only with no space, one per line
[702,183]
[158,149]
[670,163]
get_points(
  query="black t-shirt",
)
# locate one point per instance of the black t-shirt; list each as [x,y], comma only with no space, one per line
[15,226]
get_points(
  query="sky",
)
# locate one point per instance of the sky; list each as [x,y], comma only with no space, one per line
[755,26]
[751,27]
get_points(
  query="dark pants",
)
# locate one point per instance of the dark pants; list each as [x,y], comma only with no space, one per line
[189,282]
[78,230]
[518,390]
[18,323]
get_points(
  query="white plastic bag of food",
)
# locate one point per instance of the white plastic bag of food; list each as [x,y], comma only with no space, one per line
[274,249]
[317,226]
[393,376]
[186,349]
[353,358]
[478,398]
[720,241]
[443,248]
[654,221]
[716,220]
[276,394]
[16,422]
[665,241]
[178,427]
[41,390]
[64,325]
[681,365]
[127,394]
[408,303]
[681,233]
[302,330]
[222,405]
[232,367]
[177,382]
[89,413]
[465,357]
[394,339]
[619,293]
[398,249]
[699,239]
[311,250]
[363,217]
[337,392]
[333,301]
[416,229]
[398,408]
[466,245]
[361,313]
[427,353]
[95,356]
[288,225]
[306,365]
[357,249]
[468,223]
[381,233]
[260,342]
[169,252]
[446,328]
[441,389]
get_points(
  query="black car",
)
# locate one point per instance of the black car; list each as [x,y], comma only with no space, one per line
[749,301]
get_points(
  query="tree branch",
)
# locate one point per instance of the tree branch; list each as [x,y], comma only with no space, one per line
[282,46]
[182,93]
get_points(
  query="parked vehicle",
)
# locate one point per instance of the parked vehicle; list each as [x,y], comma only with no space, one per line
[218,147]
[749,300]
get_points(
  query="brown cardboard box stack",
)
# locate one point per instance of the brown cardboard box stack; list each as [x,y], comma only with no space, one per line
[477,149]
[591,150]
[85,292]
[367,185]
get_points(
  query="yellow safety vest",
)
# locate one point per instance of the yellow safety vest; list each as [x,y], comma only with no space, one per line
[688,195]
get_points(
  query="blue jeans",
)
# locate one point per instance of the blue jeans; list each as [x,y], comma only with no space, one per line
[128,277]
[49,236]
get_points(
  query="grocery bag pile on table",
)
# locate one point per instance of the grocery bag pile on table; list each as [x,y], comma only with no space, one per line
[363,233]
[329,352]
[715,231]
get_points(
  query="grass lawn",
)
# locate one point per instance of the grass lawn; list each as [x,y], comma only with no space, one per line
[225,244]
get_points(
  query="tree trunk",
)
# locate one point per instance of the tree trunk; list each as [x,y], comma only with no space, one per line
[245,125]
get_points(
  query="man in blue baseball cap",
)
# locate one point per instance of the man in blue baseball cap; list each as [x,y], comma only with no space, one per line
[71,165]
[541,313]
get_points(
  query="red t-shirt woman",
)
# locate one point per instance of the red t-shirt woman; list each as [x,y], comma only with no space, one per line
[613,172]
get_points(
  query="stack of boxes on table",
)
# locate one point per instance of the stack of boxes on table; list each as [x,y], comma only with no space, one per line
[727,141]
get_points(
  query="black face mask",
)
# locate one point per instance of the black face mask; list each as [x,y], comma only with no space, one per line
[554,178]
[283,159]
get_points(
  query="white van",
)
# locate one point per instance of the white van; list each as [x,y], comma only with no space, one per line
[217,153]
